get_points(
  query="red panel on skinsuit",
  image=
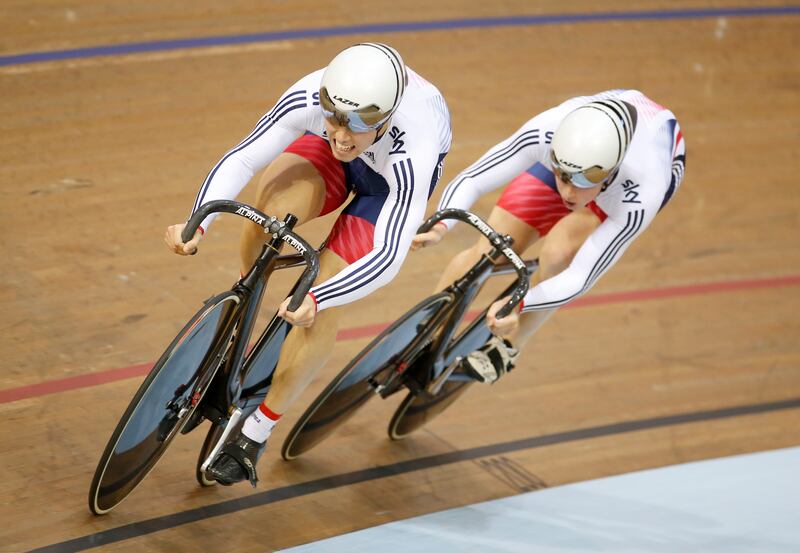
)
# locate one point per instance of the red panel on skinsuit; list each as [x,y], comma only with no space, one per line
[317,150]
[351,238]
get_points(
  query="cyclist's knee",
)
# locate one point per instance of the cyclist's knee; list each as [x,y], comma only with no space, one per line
[458,264]
[274,199]
[555,256]
[472,255]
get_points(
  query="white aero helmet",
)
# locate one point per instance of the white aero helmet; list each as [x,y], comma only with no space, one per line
[363,85]
[591,141]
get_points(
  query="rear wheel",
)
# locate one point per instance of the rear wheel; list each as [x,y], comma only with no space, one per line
[352,387]
[163,404]
[417,409]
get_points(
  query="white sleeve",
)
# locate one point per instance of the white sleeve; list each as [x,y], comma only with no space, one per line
[498,166]
[271,135]
[397,224]
[597,254]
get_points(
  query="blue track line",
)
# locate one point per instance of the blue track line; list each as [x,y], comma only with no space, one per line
[381,28]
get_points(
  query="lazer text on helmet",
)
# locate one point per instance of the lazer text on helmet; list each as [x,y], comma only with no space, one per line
[346,101]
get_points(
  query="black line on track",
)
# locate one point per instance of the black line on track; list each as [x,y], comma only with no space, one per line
[142,528]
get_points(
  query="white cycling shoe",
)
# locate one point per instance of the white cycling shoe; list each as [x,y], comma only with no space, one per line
[491,361]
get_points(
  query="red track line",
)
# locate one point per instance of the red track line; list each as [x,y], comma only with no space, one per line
[72,383]
[113,375]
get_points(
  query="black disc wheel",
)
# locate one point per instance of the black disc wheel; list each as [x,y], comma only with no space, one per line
[356,384]
[417,409]
[163,404]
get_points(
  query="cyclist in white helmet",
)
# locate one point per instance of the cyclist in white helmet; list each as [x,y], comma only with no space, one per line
[366,124]
[588,177]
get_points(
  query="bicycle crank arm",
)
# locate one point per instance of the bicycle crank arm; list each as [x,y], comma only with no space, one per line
[437,383]
[235,416]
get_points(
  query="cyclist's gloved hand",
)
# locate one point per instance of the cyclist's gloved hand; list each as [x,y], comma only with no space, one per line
[430,238]
[505,326]
[173,240]
[303,316]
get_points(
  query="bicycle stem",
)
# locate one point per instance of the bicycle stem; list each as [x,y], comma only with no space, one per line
[266,259]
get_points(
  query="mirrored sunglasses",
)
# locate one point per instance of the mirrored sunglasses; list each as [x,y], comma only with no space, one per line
[588,178]
[363,119]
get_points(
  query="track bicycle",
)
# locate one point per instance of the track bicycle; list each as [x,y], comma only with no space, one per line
[421,352]
[207,371]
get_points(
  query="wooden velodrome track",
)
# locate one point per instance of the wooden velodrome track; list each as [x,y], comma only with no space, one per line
[689,349]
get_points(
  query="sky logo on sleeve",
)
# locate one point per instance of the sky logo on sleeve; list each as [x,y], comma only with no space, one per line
[631,195]
[397,144]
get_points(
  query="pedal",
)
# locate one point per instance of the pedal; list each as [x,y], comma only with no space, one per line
[436,384]
[232,422]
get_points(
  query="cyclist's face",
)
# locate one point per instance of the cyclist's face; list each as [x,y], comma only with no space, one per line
[346,144]
[573,196]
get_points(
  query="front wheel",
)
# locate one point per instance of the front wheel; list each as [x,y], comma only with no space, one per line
[163,403]
[352,387]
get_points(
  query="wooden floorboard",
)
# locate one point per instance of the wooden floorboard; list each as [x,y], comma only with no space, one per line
[98,155]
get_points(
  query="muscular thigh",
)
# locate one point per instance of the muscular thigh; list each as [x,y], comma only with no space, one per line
[563,242]
[568,234]
[291,184]
[330,264]
[305,180]
[507,223]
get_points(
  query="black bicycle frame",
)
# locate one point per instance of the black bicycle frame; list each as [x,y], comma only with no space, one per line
[449,317]
[228,391]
